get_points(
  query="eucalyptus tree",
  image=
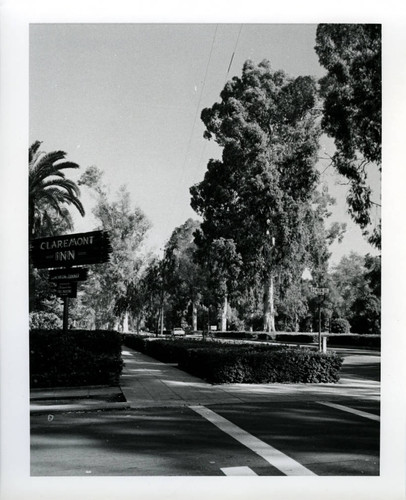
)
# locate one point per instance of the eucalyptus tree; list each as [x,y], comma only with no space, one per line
[50,192]
[259,194]
[108,290]
[184,277]
[352,108]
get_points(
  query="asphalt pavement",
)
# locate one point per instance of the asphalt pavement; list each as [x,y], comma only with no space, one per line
[174,424]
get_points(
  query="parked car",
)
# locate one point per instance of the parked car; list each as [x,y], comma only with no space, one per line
[178,331]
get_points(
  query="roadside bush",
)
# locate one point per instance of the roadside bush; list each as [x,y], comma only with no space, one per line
[252,366]
[339,325]
[136,342]
[220,363]
[80,358]
[302,338]
[44,320]
[354,340]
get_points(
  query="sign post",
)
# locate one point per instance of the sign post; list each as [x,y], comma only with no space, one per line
[320,291]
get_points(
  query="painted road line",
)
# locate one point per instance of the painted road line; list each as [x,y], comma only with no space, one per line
[273,456]
[238,471]
[360,413]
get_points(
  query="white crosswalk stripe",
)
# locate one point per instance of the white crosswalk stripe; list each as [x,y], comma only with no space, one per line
[273,456]
[360,413]
[238,471]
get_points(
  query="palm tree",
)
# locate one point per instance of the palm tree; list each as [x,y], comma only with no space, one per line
[49,191]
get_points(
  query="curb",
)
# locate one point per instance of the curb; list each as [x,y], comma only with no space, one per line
[44,409]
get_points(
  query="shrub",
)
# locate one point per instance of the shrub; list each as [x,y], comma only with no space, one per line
[340,325]
[44,320]
[354,340]
[272,365]
[302,338]
[219,362]
[78,358]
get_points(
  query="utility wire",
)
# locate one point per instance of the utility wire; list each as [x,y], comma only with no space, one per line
[199,101]
[235,48]
[225,81]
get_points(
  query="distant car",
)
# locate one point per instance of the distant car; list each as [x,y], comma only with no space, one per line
[178,331]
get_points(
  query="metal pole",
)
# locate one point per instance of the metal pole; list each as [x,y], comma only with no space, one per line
[320,347]
[65,315]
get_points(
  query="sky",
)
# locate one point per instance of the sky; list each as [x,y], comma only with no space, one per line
[128,97]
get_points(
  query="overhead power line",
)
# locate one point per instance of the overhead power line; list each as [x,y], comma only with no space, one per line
[199,101]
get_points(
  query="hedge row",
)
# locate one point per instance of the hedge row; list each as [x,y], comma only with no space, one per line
[354,340]
[338,339]
[261,367]
[78,358]
[237,363]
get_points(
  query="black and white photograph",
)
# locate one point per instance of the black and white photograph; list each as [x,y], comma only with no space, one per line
[204,285]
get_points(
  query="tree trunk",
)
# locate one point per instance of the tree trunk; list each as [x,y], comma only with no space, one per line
[194,316]
[269,308]
[224,314]
[125,322]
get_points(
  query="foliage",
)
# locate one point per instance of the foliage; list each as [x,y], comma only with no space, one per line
[183,279]
[354,340]
[357,280]
[352,114]
[80,358]
[339,325]
[50,192]
[254,366]
[225,363]
[44,320]
[262,188]
[110,289]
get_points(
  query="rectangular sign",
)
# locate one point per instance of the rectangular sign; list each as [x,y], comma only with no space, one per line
[67,289]
[76,274]
[319,290]
[70,250]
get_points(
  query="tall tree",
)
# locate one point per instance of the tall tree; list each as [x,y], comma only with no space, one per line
[352,109]
[50,192]
[183,279]
[259,194]
[109,285]
[358,282]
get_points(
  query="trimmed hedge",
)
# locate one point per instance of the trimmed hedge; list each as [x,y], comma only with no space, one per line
[354,340]
[252,366]
[80,358]
[339,339]
[220,363]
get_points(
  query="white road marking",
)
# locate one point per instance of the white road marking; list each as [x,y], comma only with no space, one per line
[360,413]
[238,471]
[273,456]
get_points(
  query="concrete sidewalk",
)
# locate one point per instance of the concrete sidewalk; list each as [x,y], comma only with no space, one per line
[146,382]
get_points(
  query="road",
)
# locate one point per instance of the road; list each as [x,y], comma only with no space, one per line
[265,439]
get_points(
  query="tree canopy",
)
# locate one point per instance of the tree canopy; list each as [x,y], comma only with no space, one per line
[50,192]
[352,109]
[110,286]
[261,190]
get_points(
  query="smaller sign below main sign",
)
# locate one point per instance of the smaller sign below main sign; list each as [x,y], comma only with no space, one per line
[319,290]
[75,274]
[67,289]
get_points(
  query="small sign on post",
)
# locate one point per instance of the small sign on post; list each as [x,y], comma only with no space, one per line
[75,274]
[67,289]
